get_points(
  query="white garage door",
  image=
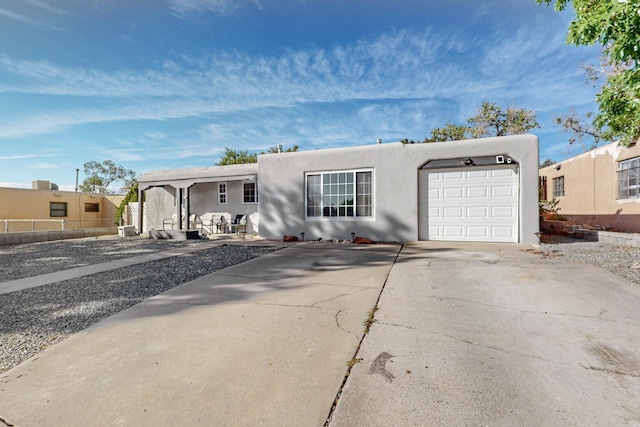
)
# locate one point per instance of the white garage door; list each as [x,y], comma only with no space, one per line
[479,204]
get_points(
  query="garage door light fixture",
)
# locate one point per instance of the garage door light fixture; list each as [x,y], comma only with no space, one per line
[468,162]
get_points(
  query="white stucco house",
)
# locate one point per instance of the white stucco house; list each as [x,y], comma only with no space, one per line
[473,190]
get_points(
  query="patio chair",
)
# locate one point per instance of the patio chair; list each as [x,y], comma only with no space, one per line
[240,223]
[170,221]
[214,222]
[195,222]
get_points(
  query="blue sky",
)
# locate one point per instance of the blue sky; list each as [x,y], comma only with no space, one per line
[163,84]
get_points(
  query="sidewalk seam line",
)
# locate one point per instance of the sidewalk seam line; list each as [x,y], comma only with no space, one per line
[355,355]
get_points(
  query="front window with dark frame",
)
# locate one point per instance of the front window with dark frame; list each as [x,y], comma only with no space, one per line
[250,192]
[558,186]
[58,209]
[339,194]
[628,179]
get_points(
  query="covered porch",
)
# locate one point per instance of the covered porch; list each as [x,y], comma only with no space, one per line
[189,203]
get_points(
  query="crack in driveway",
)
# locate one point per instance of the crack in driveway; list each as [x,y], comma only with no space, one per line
[547,313]
[502,350]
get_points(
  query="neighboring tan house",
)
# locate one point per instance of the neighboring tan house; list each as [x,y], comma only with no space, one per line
[473,190]
[597,188]
[42,209]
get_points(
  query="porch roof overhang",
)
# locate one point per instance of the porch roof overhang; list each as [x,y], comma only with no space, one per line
[185,178]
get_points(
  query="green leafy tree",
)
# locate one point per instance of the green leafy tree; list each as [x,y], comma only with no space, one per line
[450,132]
[615,25]
[492,120]
[274,150]
[237,157]
[99,176]
[546,163]
[131,196]
[91,184]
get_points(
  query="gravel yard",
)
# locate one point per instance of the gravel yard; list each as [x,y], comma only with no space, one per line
[619,260]
[32,259]
[36,318]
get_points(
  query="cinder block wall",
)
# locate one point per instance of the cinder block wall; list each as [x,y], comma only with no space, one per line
[47,236]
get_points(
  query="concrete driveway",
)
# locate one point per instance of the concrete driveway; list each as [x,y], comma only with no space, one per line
[465,335]
[474,334]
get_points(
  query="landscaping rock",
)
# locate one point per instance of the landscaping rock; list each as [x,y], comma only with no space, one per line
[363,241]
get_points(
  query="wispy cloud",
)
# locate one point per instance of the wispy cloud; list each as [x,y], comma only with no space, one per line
[22,156]
[384,67]
[46,6]
[404,65]
[18,17]
[27,19]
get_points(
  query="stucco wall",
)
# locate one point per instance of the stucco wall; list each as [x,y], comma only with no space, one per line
[591,188]
[204,198]
[19,203]
[395,165]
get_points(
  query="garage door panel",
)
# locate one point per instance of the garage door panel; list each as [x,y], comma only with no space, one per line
[477,192]
[448,176]
[477,232]
[477,212]
[478,174]
[502,232]
[500,173]
[453,212]
[434,233]
[471,205]
[452,193]
[502,191]
[503,212]
[449,231]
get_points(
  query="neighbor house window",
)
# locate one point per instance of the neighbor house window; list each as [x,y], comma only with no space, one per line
[92,207]
[57,209]
[558,186]
[250,192]
[222,193]
[628,176]
[340,194]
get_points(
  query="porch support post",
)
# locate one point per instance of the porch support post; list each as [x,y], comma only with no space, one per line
[179,207]
[140,209]
[187,208]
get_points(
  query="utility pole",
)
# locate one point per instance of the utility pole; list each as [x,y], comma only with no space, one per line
[77,172]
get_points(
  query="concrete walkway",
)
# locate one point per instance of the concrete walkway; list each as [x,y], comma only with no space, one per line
[265,342]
